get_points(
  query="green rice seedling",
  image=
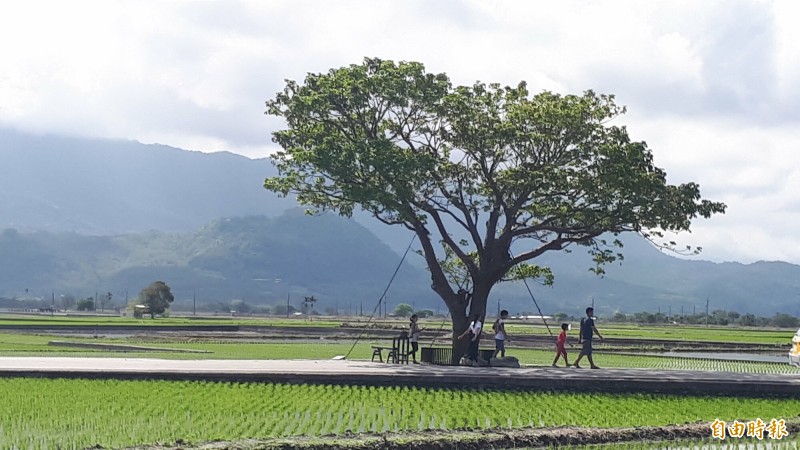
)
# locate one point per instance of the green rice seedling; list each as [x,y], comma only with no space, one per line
[43,413]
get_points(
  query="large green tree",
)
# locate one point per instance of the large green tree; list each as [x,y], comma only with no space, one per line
[157,297]
[403,310]
[476,168]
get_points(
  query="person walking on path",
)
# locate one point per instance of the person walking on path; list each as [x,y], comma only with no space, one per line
[587,331]
[561,343]
[474,332]
[413,337]
[500,334]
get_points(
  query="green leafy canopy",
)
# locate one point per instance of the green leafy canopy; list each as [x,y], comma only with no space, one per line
[494,164]
[157,296]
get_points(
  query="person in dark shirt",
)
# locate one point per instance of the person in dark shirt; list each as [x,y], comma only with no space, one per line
[585,337]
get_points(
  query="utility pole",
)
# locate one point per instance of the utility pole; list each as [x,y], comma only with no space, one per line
[287,304]
[194,302]
[498,307]
[706,311]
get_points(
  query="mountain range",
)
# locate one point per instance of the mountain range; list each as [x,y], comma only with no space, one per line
[85,215]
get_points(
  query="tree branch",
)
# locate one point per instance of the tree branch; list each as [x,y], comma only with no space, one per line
[465,258]
[439,280]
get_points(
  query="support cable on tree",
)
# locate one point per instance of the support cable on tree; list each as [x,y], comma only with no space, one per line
[524,280]
[439,331]
[382,297]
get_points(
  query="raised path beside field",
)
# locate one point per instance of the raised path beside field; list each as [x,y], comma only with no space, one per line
[364,372]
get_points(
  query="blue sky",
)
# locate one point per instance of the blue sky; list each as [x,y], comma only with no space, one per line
[711,86]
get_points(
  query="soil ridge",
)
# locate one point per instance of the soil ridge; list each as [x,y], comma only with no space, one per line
[497,438]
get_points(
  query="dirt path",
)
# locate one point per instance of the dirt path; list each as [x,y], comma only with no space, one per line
[475,440]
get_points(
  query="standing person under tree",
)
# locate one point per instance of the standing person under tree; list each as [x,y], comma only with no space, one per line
[413,337]
[500,334]
[474,331]
[587,331]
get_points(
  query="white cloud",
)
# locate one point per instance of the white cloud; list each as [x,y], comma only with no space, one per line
[787,33]
[755,171]
[711,86]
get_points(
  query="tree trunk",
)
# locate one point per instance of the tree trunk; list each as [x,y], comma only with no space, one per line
[480,295]
[461,321]
[457,303]
[460,324]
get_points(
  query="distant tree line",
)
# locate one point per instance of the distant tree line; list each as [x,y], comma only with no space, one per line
[242,307]
[717,317]
[99,302]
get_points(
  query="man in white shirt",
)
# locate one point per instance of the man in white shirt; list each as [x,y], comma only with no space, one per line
[474,332]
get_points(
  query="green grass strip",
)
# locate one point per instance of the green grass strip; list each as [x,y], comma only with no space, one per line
[689,333]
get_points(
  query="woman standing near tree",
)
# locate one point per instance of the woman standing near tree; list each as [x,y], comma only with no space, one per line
[413,337]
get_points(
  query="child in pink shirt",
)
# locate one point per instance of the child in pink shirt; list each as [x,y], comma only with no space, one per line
[561,345]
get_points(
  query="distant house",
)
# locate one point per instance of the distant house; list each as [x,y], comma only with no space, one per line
[139,311]
[533,318]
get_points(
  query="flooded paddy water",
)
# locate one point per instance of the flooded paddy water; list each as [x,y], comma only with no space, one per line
[725,356]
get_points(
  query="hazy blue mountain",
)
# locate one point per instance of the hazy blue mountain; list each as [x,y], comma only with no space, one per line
[340,262]
[649,280]
[257,259]
[106,187]
[113,216]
